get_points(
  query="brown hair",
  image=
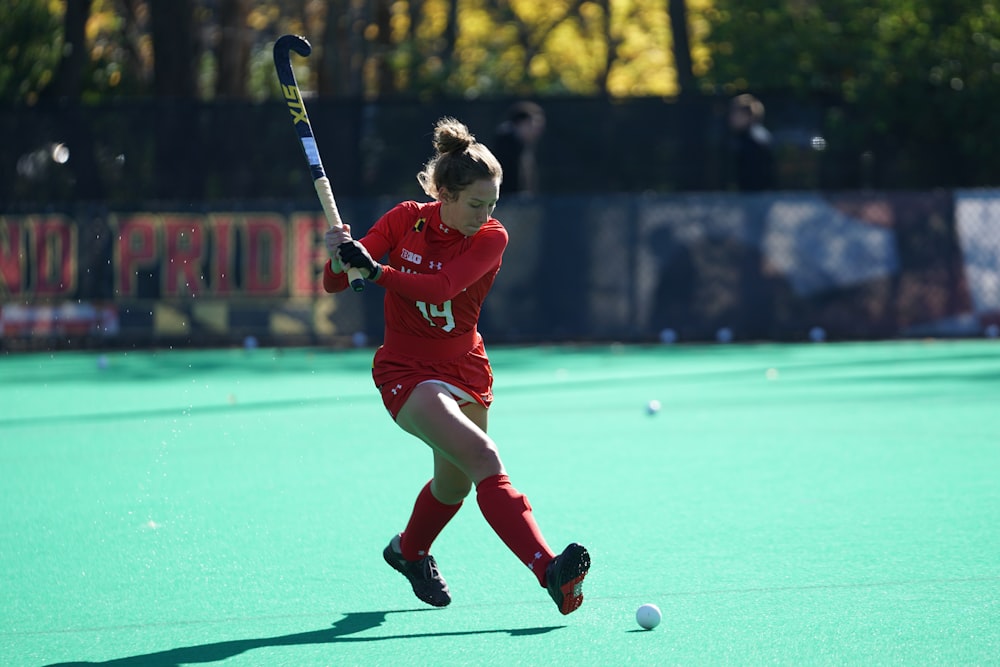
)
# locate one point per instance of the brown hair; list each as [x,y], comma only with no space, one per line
[459,160]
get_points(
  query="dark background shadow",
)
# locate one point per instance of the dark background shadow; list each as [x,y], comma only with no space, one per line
[352,623]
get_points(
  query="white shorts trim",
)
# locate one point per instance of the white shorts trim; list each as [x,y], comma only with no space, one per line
[463,397]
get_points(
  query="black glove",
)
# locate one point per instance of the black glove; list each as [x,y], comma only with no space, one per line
[355,255]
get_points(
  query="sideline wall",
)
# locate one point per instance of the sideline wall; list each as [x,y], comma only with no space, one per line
[631,268]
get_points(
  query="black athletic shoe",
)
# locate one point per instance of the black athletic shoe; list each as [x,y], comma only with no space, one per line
[564,577]
[427,582]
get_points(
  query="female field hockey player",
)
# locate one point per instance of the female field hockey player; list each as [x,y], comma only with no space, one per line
[432,369]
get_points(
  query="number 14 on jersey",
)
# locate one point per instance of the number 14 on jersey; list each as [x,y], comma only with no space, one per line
[434,311]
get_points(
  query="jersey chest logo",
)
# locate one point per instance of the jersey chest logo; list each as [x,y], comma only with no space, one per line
[418,259]
[412,257]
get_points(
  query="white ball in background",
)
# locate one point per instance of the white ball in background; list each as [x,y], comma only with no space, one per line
[648,616]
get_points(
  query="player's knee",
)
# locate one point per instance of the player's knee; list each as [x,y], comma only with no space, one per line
[483,462]
[451,492]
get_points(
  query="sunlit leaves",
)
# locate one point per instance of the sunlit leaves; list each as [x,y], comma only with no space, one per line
[500,47]
[615,47]
[27,50]
[919,69]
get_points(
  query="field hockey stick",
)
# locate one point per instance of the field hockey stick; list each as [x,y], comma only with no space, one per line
[297,107]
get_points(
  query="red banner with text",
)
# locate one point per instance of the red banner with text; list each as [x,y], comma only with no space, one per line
[166,275]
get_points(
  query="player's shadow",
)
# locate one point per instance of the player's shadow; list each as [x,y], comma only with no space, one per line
[340,632]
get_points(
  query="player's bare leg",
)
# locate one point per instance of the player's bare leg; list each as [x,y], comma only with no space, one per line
[432,414]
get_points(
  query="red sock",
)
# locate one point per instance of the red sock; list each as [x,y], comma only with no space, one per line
[509,514]
[428,519]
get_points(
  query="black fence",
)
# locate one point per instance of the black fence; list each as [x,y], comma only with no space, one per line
[133,151]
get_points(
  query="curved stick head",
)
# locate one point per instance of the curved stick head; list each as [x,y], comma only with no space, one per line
[296,43]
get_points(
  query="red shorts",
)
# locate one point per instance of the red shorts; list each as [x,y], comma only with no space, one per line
[396,375]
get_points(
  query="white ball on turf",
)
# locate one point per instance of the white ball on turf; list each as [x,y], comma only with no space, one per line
[648,616]
[653,407]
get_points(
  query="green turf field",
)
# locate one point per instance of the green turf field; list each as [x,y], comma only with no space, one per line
[833,504]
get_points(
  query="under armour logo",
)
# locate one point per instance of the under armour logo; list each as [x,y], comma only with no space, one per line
[538,556]
[395,390]
[434,265]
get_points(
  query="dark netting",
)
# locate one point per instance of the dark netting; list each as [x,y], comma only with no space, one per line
[133,151]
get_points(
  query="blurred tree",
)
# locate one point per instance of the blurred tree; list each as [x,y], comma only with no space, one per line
[681,46]
[380,32]
[611,42]
[919,79]
[175,47]
[365,48]
[133,47]
[334,71]
[31,44]
[66,89]
[68,80]
[232,51]
[470,48]
[607,47]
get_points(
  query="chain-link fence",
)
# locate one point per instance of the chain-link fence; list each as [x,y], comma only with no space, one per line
[133,151]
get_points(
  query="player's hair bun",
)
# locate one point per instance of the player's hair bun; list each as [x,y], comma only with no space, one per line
[458,161]
[452,136]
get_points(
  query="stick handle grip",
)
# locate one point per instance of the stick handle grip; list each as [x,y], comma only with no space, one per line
[325,192]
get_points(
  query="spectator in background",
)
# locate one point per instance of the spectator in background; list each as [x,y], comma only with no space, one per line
[754,166]
[752,152]
[514,146]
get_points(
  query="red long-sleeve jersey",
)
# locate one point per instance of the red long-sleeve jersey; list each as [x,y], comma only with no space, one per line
[436,279]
